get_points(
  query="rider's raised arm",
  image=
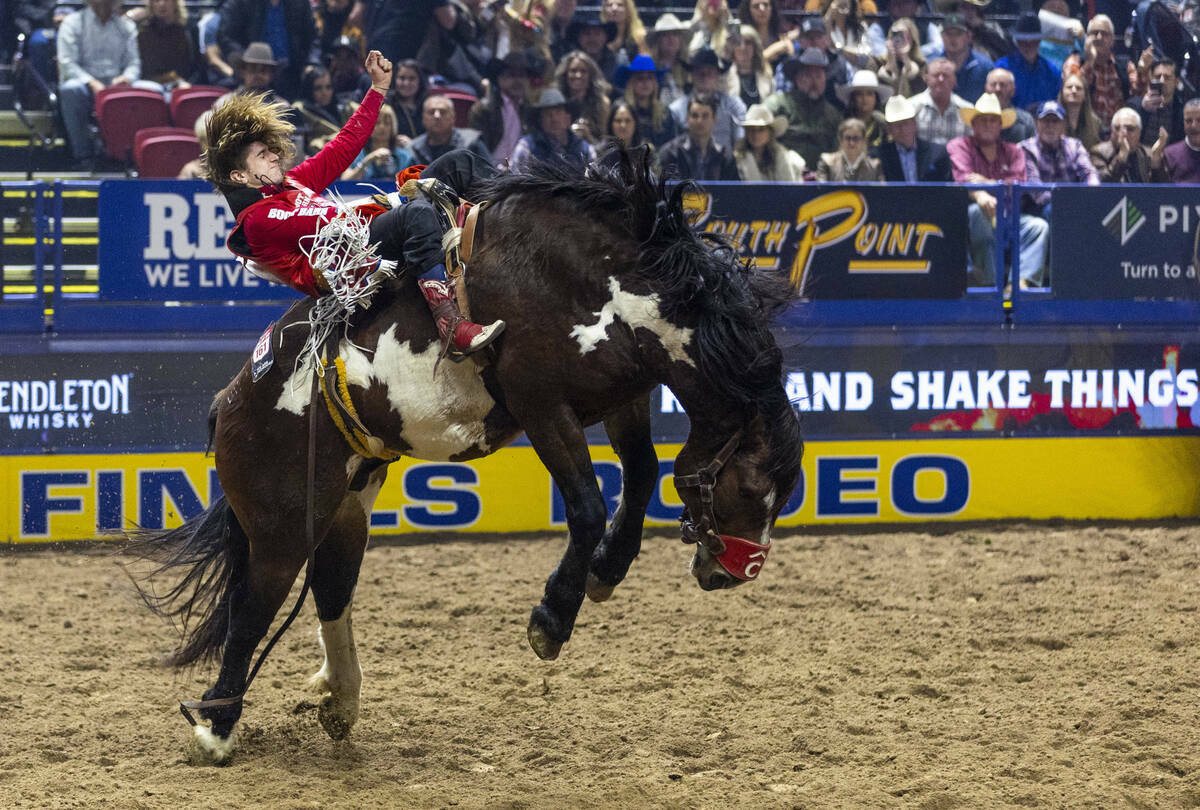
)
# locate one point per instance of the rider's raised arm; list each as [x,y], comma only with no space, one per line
[327,165]
[336,156]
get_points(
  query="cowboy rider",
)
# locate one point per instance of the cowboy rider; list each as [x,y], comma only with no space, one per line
[249,144]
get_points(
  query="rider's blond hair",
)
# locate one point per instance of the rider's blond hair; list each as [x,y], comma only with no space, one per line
[243,119]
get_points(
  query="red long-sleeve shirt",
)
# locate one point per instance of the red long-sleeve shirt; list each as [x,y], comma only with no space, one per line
[273,226]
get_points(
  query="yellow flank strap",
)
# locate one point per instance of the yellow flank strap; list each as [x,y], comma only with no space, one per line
[358,440]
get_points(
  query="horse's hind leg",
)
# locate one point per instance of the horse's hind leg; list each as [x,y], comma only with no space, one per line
[629,431]
[253,604]
[338,560]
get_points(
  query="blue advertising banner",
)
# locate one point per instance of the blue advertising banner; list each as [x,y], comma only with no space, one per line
[164,240]
[1123,242]
[839,242]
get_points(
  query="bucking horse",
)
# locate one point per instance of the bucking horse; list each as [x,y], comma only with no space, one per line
[608,292]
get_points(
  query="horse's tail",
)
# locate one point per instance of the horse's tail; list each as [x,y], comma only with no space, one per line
[212,551]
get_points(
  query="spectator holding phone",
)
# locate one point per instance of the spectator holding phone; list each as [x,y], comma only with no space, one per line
[763,16]
[709,26]
[848,34]
[903,69]
[1160,105]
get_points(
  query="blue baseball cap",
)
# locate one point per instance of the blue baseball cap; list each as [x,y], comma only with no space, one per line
[1052,108]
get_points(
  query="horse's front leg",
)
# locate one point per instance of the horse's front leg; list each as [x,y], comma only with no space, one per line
[562,446]
[338,560]
[629,431]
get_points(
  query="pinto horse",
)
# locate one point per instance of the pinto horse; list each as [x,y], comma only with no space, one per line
[608,292]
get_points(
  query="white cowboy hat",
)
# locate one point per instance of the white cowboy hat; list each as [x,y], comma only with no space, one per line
[666,23]
[988,104]
[899,109]
[864,80]
[759,116]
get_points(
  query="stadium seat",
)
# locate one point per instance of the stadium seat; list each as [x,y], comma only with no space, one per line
[188,104]
[462,103]
[122,111]
[163,151]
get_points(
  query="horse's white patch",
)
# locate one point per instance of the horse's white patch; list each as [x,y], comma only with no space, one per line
[218,750]
[341,673]
[352,465]
[635,310]
[368,494]
[768,501]
[297,391]
[441,415]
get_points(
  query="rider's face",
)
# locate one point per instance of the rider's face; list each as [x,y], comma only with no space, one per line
[262,166]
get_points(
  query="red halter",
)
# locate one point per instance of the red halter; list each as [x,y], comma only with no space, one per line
[741,558]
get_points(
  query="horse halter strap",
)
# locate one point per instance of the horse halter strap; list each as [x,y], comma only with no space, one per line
[742,558]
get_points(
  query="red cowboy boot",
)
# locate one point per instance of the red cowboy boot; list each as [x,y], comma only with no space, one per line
[464,337]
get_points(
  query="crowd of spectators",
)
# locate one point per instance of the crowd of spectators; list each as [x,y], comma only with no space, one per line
[790,90]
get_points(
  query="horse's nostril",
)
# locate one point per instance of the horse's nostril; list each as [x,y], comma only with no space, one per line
[718,579]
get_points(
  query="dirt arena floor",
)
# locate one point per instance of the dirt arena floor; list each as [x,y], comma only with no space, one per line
[1031,666]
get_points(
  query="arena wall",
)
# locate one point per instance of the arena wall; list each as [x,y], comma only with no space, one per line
[920,400]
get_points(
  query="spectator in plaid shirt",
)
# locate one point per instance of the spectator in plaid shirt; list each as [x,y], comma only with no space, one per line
[1052,157]
[1107,81]
[938,120]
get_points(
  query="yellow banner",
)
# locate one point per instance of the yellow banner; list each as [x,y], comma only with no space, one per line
[72,497]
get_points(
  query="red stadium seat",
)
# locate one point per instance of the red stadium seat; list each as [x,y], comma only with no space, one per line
[163,151]
[122,111]
[188,104]
[462,103]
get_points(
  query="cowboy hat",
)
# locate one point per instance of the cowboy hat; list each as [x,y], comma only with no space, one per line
[759,116]
[1028,27]
[666,24]
[707,57]
[955,20]
[576,26]
[640,64]
[551,97]
[864,80]
[898,109]
[988,104]
[513,61]
[258,53]
[811,57]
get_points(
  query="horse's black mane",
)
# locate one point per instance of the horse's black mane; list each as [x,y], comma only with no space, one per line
[697,277]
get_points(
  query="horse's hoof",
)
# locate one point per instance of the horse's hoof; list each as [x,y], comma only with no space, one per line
[335,718]
[206,748]
[546,649]
[597,591]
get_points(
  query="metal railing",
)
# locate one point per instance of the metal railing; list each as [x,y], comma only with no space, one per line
[47,298]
